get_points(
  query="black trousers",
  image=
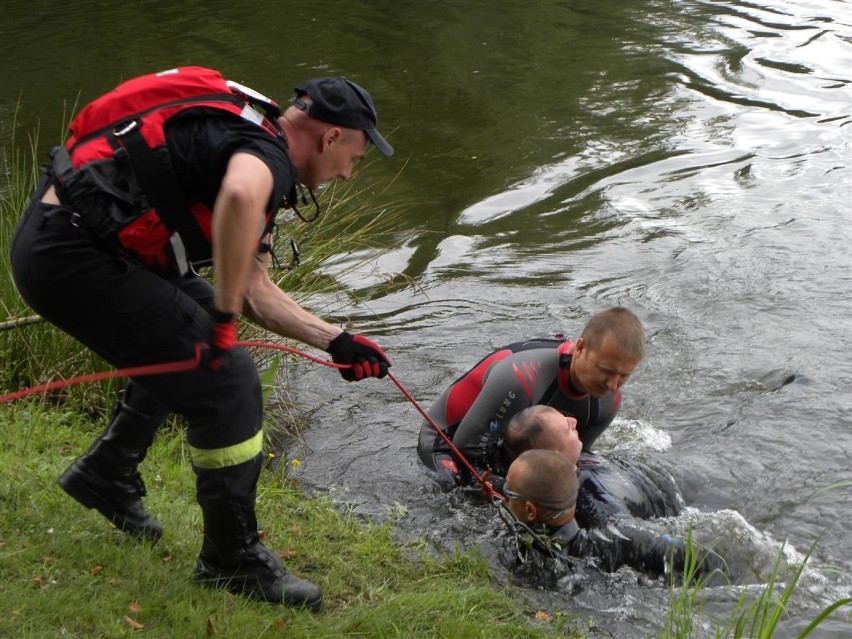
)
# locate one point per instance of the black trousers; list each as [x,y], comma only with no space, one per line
[132,316]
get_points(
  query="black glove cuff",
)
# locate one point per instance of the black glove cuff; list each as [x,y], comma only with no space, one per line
[222,317]
[338,344]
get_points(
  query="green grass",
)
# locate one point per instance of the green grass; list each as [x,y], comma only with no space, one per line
[65,572]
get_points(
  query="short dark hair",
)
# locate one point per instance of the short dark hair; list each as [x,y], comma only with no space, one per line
[524,429]
[550,478]
[622,325]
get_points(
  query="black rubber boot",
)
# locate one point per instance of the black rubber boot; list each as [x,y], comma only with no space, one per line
[106,476]
[232,555]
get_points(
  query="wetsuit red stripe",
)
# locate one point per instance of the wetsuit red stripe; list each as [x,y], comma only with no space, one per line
[523,381]
[466,390]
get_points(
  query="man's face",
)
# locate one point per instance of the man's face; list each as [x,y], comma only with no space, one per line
[602,370]
[334,157]
[560,434]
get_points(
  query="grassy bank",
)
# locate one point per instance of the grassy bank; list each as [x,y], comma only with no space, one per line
[65,572]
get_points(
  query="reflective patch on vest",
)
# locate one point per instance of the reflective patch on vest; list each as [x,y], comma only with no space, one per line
[229,456]
[176,251]
[251,114]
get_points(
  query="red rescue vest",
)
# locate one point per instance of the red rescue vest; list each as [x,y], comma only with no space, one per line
[127,125]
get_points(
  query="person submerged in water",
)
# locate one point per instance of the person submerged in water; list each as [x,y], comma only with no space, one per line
[581,380]
[541,490]
[608,489]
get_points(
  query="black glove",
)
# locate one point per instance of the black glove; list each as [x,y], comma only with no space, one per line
[365,356]
[223,337]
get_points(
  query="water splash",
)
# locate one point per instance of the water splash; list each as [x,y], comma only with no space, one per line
[630,436]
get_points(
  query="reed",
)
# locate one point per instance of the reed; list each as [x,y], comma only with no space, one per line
[760,616]
[34,352]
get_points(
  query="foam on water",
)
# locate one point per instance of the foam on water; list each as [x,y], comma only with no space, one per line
[633,435]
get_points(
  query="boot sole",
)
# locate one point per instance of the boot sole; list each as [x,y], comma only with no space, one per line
[207,576]
[74,484]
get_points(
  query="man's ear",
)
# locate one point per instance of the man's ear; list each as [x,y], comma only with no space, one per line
[330,137]
[579,346]
[532,511]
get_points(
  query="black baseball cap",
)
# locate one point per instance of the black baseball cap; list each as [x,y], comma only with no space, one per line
[342,102]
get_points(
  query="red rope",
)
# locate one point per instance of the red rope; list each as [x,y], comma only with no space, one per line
[295,351]
[487,487]
[182,366]
[134,371]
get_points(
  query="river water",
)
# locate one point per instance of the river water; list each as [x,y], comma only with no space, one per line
[689,160]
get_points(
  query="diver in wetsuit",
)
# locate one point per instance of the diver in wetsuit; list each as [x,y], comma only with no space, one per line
[541,489]
[581,380]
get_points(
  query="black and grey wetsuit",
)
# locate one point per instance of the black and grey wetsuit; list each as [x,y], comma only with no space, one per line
[618,544]
[615,489]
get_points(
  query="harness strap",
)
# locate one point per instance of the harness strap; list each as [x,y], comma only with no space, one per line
[160,188]
[59,169]
[57,173]
[60,162]
[563,375]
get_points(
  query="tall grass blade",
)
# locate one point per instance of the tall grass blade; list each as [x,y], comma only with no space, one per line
[823,616]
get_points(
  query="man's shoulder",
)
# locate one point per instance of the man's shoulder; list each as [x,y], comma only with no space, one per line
[545,343]
[208,126]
